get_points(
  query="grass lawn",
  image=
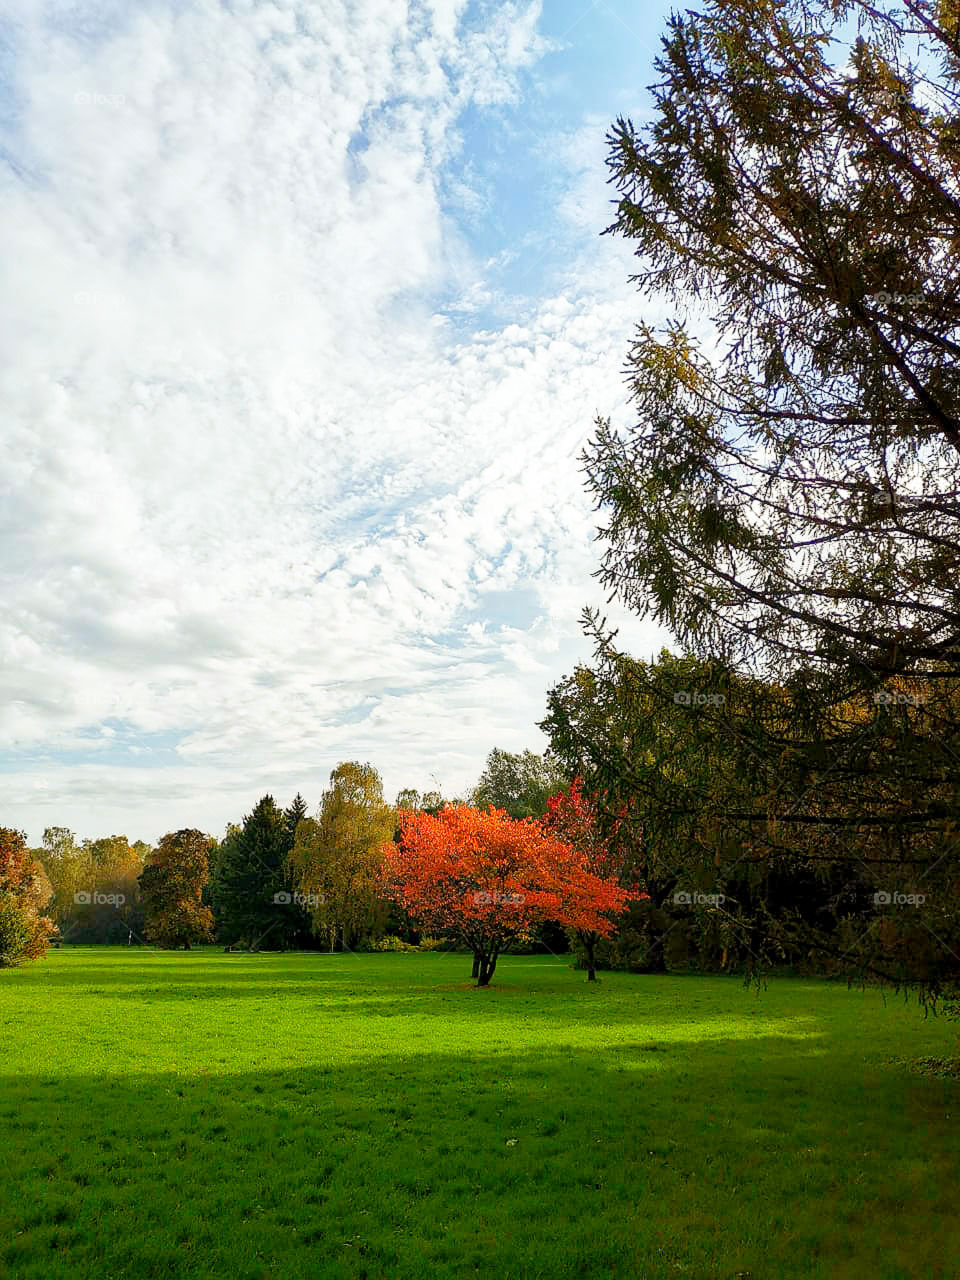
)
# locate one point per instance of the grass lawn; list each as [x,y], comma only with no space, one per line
[201,1114]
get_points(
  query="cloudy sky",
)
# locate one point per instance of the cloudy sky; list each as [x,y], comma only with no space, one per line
[305,319]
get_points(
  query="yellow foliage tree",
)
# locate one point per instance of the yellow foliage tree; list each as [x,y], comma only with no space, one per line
[337,857]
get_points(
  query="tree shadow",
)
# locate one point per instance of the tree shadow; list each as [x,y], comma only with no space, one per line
[619,1159]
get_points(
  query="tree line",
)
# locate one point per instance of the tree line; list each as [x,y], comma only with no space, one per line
[278,879]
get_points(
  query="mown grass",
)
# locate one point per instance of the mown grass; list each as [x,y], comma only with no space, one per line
[278,1117]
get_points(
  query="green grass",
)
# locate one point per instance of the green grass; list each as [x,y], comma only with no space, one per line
[202,1114]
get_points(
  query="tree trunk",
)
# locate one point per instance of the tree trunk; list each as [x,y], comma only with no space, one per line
[476,965]
[486,969]
[591,960]
[656,960]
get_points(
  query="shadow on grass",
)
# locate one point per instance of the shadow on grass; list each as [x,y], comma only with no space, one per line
[635,1159]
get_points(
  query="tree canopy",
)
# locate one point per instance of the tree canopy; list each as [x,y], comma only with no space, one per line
[25,930]
[338,856]
[489,879]
[520,783]
[790,492]
[786,499]
[172,885]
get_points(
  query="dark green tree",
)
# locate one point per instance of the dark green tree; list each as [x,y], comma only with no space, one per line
[294,813]
[688,747]
[788,498]
[254,889]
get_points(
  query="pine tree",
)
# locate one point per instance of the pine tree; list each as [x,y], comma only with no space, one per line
[254,891]
[292,815]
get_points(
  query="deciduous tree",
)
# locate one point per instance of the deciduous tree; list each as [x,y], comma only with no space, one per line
[96,890]
[577,819]
[338,856]
[520,783]
[171,887]
[488,879]
[25,930]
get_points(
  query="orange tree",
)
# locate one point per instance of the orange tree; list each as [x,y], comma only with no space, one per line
[487,880]
[24,892]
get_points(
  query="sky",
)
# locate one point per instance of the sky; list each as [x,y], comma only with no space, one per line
[305,317]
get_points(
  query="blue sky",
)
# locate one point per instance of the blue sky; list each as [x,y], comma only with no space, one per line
[305,320]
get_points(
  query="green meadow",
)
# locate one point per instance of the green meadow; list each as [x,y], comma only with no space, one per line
[265,1117]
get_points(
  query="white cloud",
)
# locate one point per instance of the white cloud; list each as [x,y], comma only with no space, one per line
[256,489]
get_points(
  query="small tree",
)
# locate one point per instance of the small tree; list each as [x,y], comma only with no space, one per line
[24,891]
[575,818]
[488,879]
[171,886]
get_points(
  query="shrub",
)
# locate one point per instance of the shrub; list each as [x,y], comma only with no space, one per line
[390,943]
[15,931]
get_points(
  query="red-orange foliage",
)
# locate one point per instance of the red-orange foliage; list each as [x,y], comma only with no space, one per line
[574,818]
[488,879]
[24,892]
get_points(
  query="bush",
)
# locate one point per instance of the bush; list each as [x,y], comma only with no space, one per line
[15,932]
[391,943]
